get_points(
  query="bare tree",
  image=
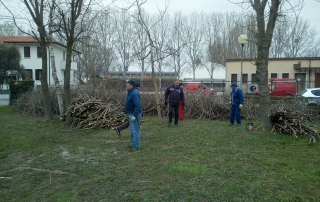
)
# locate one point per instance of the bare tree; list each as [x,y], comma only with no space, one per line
[177,44]
[97,46]
[36,9]
[141,44]
[214,54]
[124,42]
[9,29]
[147,29]
[159,34]
[195,37]
[73,21]
[267,13]
[52,59]
[300,38]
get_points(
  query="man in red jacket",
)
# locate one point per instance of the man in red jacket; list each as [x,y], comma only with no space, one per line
[173,95]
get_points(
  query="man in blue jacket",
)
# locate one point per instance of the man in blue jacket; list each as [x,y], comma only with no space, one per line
[125,125]
[173,95]
[134,112]
[236,104]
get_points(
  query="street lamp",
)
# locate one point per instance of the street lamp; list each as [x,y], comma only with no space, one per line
[242,39]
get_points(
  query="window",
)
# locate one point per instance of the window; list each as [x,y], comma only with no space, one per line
[245,78]
[39,52]
[233,78]
[274,75]
[253,78]
[38,74]
[273,87]
[28,74]
[27,52]
[303,92]
[64,55]
[316,92]
[75,75]
[285,75]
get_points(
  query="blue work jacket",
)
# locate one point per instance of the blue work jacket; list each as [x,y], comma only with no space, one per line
[237,97]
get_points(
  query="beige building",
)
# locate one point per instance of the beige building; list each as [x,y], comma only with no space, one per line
[305,71]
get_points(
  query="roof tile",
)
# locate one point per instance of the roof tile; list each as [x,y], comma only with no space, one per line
[20,39]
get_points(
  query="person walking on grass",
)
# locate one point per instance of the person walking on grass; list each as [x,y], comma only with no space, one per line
[125,124]
[236,102]
[134,112]
[173,95]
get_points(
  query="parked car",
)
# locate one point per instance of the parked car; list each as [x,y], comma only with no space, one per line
[198,87]
[282,87]
[312,95]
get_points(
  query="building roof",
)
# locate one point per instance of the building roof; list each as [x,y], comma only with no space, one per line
[138,72]
[17,39]
[26,39]
[274,59]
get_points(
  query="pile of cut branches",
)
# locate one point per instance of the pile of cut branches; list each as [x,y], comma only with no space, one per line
[87,112]
[294,123]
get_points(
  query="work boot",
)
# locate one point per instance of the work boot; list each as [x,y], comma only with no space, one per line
[118,131]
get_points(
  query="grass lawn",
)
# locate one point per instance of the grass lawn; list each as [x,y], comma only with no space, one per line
[201,160]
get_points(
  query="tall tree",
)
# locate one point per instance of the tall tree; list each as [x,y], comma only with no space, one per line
[52,59]
[265,28]
[124,42]
[294,38]
[195,49]
[10,58]
[73,21]
[36,9]
[177,43]
[159,34]
[141,45]
[141,21]
[214,56]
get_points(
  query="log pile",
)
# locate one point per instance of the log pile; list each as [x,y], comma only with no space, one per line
[87,112]
[293,123]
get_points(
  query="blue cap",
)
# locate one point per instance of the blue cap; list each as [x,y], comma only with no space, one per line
[234,84]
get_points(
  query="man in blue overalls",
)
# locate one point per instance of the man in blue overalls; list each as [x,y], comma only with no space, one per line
[236,104]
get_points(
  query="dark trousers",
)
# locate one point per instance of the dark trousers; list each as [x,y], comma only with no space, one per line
[235,112]
[176,113]
[124,125]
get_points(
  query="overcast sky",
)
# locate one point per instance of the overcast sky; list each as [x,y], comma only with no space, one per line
[310,11]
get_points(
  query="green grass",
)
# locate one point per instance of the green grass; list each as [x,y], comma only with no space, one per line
[201,160]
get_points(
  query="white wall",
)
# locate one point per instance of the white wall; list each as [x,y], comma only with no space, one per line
[36,63]
[202,73]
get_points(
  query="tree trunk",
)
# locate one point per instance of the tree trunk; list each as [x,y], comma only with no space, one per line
[37,15]
[264,38]
[67,90]
[264,99]
[44,81]
[156,89]
[56,82]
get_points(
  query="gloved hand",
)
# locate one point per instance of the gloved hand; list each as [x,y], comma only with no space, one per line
[240,106]
[166,103]
[133,118]
[230,103]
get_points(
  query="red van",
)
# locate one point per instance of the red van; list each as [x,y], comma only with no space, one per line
[282,87]
[198,87]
